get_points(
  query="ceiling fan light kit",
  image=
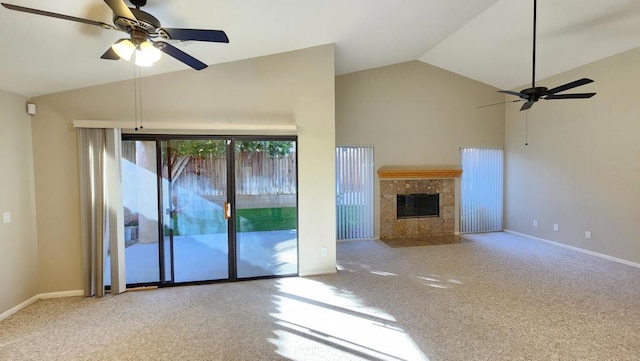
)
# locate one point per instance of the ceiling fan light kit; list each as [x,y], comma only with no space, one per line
[147,37]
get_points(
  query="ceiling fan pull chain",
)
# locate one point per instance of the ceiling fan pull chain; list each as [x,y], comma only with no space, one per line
[526,128]
[135,99]
[135,102]
[140,95]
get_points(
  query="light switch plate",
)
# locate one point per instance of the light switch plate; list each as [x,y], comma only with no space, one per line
[6,217]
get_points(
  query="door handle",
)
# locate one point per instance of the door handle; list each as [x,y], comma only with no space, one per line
[227,210]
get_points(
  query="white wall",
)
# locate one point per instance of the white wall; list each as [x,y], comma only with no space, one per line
[581,169]
[297,85]
[18,239]
[415,114]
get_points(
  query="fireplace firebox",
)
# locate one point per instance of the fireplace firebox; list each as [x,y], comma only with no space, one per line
[418,205]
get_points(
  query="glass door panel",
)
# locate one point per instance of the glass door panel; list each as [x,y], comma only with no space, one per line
[140,199]
[265,208]
[194,194]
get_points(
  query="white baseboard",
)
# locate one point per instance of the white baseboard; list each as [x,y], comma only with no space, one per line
[318,273]
[581,250]
[74,293]
[17,308]
[35,298]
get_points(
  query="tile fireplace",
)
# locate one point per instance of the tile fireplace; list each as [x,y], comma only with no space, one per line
[417,183]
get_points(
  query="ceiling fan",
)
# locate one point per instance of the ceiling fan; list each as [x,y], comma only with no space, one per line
[146,34]
[533,94]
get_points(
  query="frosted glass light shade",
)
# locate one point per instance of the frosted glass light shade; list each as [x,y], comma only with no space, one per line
[124,48]
[147,53]
[141,60]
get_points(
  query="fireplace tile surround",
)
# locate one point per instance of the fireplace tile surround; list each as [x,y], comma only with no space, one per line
[393,228]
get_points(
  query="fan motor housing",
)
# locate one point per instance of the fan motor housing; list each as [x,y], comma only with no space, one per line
[146,22]
[535,93]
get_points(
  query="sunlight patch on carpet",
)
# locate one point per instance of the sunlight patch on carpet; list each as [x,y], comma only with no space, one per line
[310,312]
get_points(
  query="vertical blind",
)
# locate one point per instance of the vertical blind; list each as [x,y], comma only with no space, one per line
[482,190]
[354,192]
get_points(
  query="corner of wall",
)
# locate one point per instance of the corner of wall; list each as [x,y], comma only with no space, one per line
[18,237]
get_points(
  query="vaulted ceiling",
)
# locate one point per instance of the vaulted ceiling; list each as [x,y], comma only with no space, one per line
[486,40]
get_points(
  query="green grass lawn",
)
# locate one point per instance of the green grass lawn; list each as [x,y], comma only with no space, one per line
[248,220]
[266,219]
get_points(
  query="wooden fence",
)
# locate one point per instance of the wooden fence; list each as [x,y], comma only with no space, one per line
[256,174]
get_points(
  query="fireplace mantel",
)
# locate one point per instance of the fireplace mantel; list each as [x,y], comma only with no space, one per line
[405,172]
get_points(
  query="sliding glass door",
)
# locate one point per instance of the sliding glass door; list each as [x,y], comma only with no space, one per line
[204,209]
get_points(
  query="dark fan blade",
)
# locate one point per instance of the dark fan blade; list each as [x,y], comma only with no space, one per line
[527,105]
[490,105]
[524,96]
[568,86]
[110,55]
[121,9]
[59,16]
[180,55]
[216,36]
[570,96]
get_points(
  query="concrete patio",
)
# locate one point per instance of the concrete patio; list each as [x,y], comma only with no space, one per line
[205,257]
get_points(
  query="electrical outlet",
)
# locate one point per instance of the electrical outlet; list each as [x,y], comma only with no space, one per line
[555,228]
[535,223]
[6,217]
[324,251]
[587,234]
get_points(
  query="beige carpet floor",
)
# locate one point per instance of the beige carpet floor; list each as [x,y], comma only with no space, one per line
[495,297]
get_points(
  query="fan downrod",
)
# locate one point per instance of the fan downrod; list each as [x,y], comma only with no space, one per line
[138,3]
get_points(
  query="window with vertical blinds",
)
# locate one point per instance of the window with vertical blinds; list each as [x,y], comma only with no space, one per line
[481,195]
[354,192]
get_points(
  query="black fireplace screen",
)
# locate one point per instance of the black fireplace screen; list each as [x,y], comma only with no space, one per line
[418,205]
